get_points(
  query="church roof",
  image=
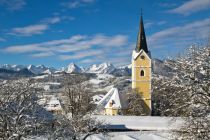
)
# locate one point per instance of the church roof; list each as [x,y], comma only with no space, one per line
[118,100]
[141,40]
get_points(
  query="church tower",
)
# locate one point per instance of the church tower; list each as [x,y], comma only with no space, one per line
[141,68]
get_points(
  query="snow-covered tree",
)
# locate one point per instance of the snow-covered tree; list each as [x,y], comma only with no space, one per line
[20,115]
[187,93]
[78,122]
[136,105]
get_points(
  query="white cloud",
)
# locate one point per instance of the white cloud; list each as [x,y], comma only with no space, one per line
[74,44]
[81,54]
[181,35]
[88,61]
[29,30]
[191,6]
[42,54]
[38,28]
[77,3]
[52,20]
[13,5]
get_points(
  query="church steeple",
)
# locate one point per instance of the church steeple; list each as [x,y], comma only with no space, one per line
[141,40]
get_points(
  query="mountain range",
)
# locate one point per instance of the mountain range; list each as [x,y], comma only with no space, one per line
[159,67]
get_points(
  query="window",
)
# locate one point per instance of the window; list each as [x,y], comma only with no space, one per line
[142,73]
[142,57]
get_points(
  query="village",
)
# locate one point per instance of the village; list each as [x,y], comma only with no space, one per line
[104,70]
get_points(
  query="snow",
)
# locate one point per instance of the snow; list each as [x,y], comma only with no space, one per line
[47,71]
[73,68]
[97,98]
[13,67]
[53,104]
[118,101]
[136,54]
[131,135]
[40,77]
[114,100]
[95,81]
[146,123]
[100,78]
[137,135]
[46,87]
[104,68]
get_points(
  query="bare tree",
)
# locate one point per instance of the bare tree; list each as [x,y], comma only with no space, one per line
[78,122]
[20,115]
[78,98]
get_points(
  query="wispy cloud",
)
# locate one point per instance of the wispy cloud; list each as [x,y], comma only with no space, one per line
[81,54]
[42,54]
[77,3]
[13,5]
[29,30]
[148,24]
[75,47]
[39,28]
[191,6]
[181,35]
[52,20]
[162,22]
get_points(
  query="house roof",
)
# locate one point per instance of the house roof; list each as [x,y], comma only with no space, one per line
[53,104]
[118,100]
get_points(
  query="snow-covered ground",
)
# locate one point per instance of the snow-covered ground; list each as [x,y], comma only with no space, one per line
[126,135]
[40,77]
[100,78]
[137,135]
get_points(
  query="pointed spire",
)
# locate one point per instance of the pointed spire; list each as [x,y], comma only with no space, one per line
[141,40]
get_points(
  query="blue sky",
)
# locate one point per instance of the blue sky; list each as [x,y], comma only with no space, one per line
[58,32]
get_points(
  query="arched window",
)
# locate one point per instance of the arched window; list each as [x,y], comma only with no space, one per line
[142,73]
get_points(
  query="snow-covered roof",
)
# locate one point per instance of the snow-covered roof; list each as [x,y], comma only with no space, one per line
[97,98]
[53,104]
[117,99]
[114,100]
[136,54]
[150,123]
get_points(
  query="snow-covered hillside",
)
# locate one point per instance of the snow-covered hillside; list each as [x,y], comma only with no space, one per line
[40,69]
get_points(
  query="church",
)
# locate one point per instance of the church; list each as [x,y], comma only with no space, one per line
[141,68]
[115,103]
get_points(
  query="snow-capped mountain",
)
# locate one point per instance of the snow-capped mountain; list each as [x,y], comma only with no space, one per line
[104,68]
[41,69]
[73,68]
[160,68]
[13,67]
[34,69]
[122,71]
